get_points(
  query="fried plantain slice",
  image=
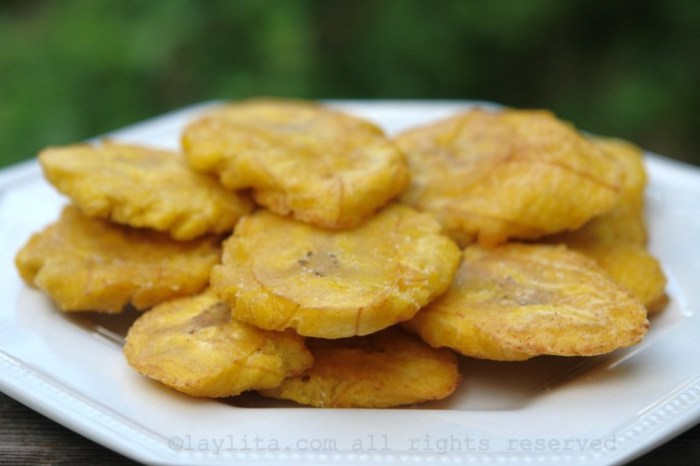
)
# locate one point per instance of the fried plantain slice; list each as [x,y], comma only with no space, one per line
[518,301]
[279,273]
[195,346]
[142,187]
[300,159]
[616,240]
[491,176]
[381,370]
[89,264]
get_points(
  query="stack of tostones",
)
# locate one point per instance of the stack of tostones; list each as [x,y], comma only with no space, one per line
[354,236]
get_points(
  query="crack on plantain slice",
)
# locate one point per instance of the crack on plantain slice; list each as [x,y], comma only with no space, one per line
[144,188]
[278,273]
[300,159]
[90,264]
[518,301]
[381,370]
[492,176]
[194,345]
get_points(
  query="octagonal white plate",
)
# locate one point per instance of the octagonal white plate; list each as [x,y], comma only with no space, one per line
[601,410]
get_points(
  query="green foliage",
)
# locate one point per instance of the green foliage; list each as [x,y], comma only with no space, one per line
[72,69]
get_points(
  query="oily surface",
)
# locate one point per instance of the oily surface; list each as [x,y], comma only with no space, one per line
[387,368]
[300,159]
[142,187]
[194,345]
[518,301]
[278,273]
[88,264]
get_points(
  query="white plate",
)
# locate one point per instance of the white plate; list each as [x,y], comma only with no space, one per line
[546,411]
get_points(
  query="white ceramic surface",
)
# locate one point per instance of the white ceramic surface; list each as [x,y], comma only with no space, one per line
[601,410]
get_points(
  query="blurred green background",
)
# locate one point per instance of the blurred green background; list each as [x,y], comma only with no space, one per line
[72,69]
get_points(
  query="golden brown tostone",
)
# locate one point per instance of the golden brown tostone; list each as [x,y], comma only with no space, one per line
[278,273]
[143,187]
[88,264]
[494,175]
[194,345]
[385,369]
[300,159]
[518,301]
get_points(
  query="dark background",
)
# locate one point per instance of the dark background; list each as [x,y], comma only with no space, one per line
[72,69]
